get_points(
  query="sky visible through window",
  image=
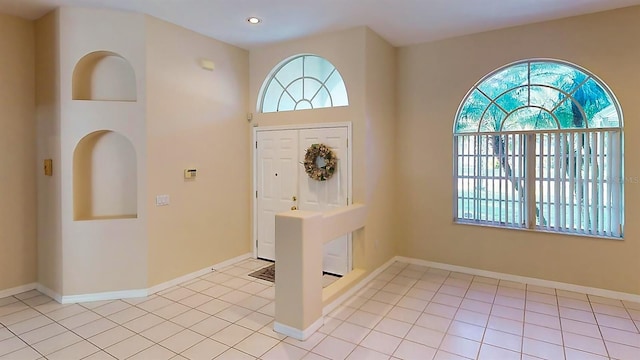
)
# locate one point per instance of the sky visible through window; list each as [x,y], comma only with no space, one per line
[304,82]
[537,95]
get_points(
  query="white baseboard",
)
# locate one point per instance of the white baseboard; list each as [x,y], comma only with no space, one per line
[334,304]
[125,294]
[17,290]
[109,295]
[342,298]
[182,279]
[50,293]
[525,280]
[71,299]
[233,261]
[297,333]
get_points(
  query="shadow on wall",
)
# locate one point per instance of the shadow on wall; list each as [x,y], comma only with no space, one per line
[104,75]
[104,177]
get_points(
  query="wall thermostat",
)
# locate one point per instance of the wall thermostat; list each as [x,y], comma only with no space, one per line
[190,173]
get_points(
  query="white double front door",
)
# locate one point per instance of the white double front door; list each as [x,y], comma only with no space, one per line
[282,185]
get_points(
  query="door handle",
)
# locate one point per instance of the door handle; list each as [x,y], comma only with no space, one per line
[294,207]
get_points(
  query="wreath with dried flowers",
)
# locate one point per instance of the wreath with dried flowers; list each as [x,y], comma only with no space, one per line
[320,162]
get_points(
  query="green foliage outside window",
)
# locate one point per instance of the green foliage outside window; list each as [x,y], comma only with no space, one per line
[537,95]
[538,144]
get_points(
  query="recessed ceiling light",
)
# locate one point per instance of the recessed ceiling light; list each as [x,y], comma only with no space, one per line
[254,20]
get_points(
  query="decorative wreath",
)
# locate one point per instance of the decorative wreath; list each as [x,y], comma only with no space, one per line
[316,172]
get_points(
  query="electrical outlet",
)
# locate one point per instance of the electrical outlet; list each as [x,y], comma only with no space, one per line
[162,200]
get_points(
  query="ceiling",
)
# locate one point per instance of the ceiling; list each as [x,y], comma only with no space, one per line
[401,22]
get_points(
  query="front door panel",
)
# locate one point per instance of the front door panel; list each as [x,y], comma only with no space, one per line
[281,177]
[329,194]
[277,183]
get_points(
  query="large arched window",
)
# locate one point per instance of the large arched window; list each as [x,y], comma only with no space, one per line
[303,82]
[538,145]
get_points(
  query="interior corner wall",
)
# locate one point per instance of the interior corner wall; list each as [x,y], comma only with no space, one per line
[18,251]
[367,65]
[433,80]
[196,119]
[380,140]
[47,107]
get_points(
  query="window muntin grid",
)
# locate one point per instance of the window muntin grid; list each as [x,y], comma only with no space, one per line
[303,82]
[538,95]
[523,164]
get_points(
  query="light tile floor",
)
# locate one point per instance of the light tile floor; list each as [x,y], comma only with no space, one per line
[407,312]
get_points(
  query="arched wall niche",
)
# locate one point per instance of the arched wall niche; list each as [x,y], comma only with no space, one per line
[105,179]
[105,76]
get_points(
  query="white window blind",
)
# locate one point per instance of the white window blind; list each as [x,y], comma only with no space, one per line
[564,181]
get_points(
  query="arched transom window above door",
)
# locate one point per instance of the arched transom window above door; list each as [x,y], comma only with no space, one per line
[303,82]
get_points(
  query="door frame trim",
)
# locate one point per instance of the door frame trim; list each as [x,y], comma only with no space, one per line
[254,169]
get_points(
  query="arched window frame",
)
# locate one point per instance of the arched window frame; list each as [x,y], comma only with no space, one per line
[336,95]
[520,176]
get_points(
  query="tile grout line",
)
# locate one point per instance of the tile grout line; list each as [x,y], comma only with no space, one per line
[524,322]
[452,319]
[358,309]
[486,326]
[19,338]
[105,317]
[252,311]
[564,348]
[394,306]
[400,290]
[606,347]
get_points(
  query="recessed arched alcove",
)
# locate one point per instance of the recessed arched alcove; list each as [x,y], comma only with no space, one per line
[104,75]
[105,180]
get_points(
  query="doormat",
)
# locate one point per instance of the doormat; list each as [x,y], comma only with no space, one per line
[267,273]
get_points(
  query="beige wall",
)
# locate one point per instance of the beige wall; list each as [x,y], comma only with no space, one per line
[17,153]
[367,65]
[195,119]
[49,217]
[380,140]
[434,78]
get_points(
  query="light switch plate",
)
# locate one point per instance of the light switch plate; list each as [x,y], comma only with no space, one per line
[162,200]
